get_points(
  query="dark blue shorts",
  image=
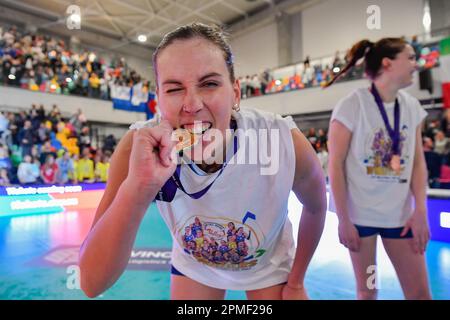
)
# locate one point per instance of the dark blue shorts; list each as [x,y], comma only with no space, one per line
[174,271]
[390,233]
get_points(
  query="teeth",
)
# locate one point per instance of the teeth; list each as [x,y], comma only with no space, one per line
[197,128]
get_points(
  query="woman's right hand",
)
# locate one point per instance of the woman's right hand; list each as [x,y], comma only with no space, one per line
[150,164]
[349,236]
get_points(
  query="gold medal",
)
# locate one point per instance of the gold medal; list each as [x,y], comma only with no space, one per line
[395,163]
[186,139]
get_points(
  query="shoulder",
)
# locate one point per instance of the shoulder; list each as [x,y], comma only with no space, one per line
[413,106]
[348,108]
[409,99]
[354,100]
[263,119]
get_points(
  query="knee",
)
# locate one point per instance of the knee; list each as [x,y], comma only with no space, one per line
[367,294]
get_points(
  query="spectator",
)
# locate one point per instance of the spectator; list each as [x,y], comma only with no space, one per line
[66,169]
[43,133]
[312,137]
[4,179]
[322,154]
[28,172]
[5,162]
[321,138]
[4,122]
[47,149]
[337,62]
[308,75]
[441,143]
[49,170]
[256,85]
[243,83]
[94,86]
[445,123]
[85,167]
[109,143]
[102,168]
[249,87]
[26,138]
[416,46]
[85,138]
[41,113]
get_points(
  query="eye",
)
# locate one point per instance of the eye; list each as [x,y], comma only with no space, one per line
[173,90]
[210,84]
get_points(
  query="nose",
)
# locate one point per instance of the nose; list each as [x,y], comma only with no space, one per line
[192,102]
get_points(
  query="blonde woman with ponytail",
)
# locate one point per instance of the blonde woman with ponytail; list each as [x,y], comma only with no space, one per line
[377,168]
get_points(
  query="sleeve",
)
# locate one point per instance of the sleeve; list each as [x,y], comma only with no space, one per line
[346,111]
[290,122]
[420,112]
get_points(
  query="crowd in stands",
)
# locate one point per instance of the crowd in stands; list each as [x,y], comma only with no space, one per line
[306,75]
[436,145]
[39,147]
[46,64]
[317,73]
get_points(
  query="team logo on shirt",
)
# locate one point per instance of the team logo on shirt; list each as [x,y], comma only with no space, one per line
[221,243]
[378,150]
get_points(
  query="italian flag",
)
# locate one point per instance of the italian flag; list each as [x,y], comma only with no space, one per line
[445,71]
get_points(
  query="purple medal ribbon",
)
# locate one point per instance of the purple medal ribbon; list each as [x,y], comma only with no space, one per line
[168,191]
[393,133]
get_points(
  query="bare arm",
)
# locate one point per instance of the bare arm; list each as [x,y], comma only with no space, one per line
[309,187]
[338,144]
[418,222]
[136,175]
[419,178]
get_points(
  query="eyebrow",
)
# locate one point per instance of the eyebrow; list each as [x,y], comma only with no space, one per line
[206,76]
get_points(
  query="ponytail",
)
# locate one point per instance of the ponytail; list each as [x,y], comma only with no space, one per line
[357,52]
[373,54]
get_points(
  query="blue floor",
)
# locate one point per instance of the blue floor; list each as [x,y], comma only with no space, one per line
[38,252]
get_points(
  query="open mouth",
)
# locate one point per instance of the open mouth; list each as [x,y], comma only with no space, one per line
[198,128]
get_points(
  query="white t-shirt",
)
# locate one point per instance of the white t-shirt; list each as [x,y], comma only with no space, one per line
[378,197]
[259,256]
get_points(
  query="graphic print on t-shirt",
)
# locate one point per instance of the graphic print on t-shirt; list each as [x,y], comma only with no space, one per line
[378,154]
[221,243]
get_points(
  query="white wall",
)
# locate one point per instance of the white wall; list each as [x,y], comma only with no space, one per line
[94,109]
[296,34]
[336,24]
[256,50]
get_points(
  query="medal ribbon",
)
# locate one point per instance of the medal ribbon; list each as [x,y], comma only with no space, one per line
[394,134]
[168,191]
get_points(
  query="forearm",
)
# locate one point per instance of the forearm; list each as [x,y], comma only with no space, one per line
[338,185]
[106,251]
[311,225]
[419,181]
[309,233]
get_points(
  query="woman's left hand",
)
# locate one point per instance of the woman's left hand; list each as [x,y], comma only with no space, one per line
[294,293]
[418,224]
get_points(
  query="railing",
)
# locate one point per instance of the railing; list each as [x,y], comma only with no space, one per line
[295,77]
